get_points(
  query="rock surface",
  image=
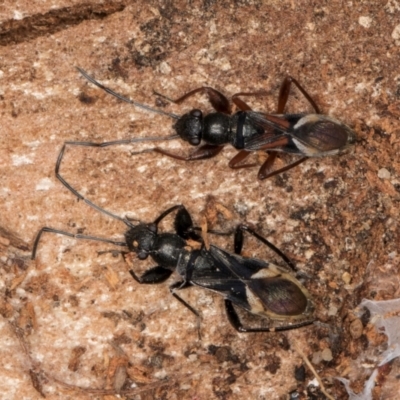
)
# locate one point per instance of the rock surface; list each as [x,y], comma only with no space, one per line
[77,312]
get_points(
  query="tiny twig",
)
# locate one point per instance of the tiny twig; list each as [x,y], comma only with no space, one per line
[309,365]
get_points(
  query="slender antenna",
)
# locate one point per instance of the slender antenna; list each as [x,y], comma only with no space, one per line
[80,196]
[127,141]
[119,96]
[75,236]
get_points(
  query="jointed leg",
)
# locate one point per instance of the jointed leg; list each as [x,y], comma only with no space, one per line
[241,104]
[284,95]
[237,324]
[152,276]
[234,163]
[183,225]
[217,99]
[182,285]
[264,173]
[167,212]
[239,239]
[160,274]
[202,153]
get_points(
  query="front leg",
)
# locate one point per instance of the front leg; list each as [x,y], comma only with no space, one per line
[219,102]
[153,275]
[183,225]
[202,153]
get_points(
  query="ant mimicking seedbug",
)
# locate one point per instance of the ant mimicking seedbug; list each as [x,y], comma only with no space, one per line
[258,293]
[306,135]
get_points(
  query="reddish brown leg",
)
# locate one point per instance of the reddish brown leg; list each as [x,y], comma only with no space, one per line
[265,169]
[261,175]
[202,153]
[284,94]
[239,158]
[241,104]
[217,99]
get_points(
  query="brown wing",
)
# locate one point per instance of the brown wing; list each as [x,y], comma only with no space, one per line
[275,130]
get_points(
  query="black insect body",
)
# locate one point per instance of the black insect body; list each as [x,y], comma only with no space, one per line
[307,135]
[266,296]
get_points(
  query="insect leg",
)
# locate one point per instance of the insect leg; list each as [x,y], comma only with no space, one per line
[183,285]
[167,212]
[235,321]
[239,239]
[284,94]
[231,313]
[202,153]
[72,235]
[153,275]
[217,99]
[264,172]
[183,225]
[234,163]
[265,169]
[241,104]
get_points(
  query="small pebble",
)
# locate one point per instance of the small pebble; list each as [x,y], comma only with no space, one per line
[356,328]
[326,354]
[308,254]
[346,278]
[365,21]
[383,173]
[316,358]
[396,34]
[333,285]
[332,311]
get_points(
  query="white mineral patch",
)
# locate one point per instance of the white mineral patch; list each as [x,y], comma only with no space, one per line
[20,160]
[365,21]
[44,184]
[18,15]
[383,173]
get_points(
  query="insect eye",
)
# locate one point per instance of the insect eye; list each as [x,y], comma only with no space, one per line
[142,255]
[196,113]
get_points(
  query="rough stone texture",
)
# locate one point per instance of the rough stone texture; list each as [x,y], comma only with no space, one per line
[81,319]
